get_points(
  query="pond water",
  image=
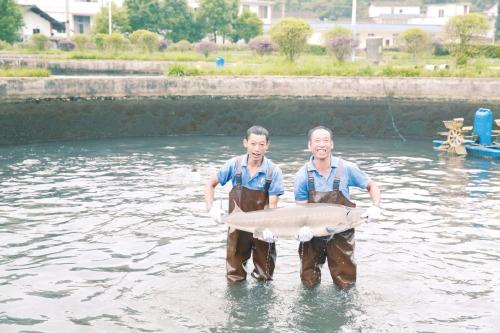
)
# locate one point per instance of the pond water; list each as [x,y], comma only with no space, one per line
[112,236]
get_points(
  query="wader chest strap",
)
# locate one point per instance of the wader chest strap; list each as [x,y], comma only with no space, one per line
[338,174]
[238,172]
[269,177]
[310,180]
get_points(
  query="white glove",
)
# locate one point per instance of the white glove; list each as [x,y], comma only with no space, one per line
[373,213]
[216,213]
[305,234]
[268,236]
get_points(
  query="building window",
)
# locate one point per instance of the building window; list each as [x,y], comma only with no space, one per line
[82,24]
[387,43]
[441,13]
[263,12]
[400,11]
[371,34]
[466,9]
[36,31]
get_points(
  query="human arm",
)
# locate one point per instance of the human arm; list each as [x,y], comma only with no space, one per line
[374,192]
[215,211]
[373,212]
[273,201]
[209,191]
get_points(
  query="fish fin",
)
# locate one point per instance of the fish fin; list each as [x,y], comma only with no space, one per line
[332,230]
[237,208]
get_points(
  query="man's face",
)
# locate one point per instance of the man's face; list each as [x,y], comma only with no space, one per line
[256,146]
[321,144]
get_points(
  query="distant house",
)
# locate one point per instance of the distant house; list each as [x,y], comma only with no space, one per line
[389,32]
[79,13]
[392,12]
[491,14]
[36,21]
[263,9]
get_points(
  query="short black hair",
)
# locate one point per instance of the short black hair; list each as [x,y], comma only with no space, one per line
[258,130]
[312,130]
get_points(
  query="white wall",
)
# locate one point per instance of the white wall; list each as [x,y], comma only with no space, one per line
[34,21]
[255,8]
[375,11]
[449,10]
[57,8]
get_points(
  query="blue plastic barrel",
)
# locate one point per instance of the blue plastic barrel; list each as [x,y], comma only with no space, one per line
[219,62]
[483,124]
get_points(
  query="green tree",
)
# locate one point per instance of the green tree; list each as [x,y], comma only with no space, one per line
[461,30]
[145,40]
[11,21]
[178,21]
[416,41]
[247,26]
[291,36]
[216,16]
[119,17]
[144,14]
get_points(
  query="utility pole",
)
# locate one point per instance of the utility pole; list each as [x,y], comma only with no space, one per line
[353,28]
[67,19]
[110,20]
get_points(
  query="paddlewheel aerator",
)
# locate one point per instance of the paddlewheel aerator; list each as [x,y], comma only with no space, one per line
[454,143]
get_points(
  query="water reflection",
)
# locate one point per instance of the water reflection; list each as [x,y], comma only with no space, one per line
[112,235]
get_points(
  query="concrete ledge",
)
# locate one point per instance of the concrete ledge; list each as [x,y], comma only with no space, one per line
[87,67]
[430,89]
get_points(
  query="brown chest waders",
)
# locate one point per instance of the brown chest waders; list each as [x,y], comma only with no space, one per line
[241,244]
[338,250]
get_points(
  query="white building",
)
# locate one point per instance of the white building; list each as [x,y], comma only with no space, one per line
[391,12]
[36,21]
[440,13]
[491,14]
[78,13]
[263,9]
[385,8]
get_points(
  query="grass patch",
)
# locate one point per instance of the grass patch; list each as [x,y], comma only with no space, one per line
[310,66]
[24,72]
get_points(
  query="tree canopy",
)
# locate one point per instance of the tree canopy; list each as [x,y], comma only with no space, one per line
[11,21]
[119,17]
[291,35]
[178,20]
[143,14]
[217,16]
[247,26]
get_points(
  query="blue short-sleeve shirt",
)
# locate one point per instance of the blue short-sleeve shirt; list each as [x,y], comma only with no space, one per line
[351,177]
[256,181]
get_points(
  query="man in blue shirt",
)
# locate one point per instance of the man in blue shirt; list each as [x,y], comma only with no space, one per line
[326,179]
[257,184]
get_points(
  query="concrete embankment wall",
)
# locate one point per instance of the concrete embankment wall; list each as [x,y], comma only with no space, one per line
[86,67]
[55,108]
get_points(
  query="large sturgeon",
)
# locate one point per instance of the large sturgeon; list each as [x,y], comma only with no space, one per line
[324,219]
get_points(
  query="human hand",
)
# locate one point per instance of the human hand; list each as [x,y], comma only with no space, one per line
[373,213]
[305,234]
[216,212]
[268,236]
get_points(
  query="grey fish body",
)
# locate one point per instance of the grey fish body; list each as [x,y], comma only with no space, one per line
[324,219]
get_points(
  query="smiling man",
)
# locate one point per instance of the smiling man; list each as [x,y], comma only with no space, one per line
[257,184]
[326,179]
